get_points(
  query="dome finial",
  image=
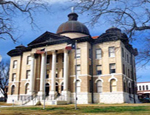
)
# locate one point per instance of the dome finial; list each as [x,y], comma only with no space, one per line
[72,9]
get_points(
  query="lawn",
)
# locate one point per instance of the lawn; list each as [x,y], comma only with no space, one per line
[99,109]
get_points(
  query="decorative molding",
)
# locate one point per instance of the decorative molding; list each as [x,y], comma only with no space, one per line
[99,79]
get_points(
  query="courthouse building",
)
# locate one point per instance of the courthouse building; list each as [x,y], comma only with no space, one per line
[105,67]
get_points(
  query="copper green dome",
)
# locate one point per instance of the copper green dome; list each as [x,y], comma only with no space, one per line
[72,25]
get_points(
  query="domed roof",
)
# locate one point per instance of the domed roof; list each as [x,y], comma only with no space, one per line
[72,25]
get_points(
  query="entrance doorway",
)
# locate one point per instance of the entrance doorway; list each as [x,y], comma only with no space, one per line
[47,89]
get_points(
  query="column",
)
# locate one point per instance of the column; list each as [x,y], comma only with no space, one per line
[66,62]
[53,77]
[32,74]
[43,74]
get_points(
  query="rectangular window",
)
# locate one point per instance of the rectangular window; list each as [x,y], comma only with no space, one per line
[98,53]
[78,69]
[99,69]
[15,64]
[78,53]
[146,87]
[13,76]
[48,59]
[111,51]
[127,58]
[128,73]
[112,68]
[123,69]
[122,52]
[29,60]
[143,87]
[28,73]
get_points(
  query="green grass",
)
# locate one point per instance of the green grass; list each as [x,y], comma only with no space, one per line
[86,109]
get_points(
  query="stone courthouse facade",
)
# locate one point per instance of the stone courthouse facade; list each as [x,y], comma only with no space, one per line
[105,67]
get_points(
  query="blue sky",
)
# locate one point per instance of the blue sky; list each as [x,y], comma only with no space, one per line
[50,21]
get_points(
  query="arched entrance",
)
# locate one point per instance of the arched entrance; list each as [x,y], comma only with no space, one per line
[47,89]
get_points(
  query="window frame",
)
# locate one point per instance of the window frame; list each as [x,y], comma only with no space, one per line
[28,60]
[14,64]
[112,69]
[78,54]
[112,52]
[98,54]
[98,70]
[99,86]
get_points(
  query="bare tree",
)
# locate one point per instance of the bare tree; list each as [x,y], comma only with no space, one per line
[13,8]
[132,16]
[4,77]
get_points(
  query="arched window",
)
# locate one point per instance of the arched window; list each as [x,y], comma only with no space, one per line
[27,88]
[99,86]
[47,89]
[12,90]
[78,86]
[62,86]
[113,85]
[129,88]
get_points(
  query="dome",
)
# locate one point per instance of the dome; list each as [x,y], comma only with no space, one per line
[72,25]
[113,30]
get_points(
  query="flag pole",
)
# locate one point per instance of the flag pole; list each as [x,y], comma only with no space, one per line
[76,75]
[45,76]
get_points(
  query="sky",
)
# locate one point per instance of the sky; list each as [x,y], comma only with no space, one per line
[50,21]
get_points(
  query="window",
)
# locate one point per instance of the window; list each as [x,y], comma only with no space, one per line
[112,68]
[146,87]
[28,73]
[15,64]
[56,72]
[78,86]
[48,59]
[99,86]
[27,88]
[99,69]
[129,88]
[78,53]
[78,69]
[13,76]
[127,58]
[122,52]
[29,60]
[98,53]
[128,73]
[140,88]
[47,74]
[12,90]
[123,69]
[113,85]
[111,51]
[143,87]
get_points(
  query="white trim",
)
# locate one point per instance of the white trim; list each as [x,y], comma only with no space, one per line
[26,83]
[77,79]
[99,79]
[81,75]
[112,77]
[61,82]
[13,84]
[107,75]
[48,83]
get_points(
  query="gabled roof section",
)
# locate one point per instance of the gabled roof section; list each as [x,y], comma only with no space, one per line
[48,38]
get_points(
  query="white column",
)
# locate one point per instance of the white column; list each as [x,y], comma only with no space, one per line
[66,63]
[43,74]
[53,80]
[32,74]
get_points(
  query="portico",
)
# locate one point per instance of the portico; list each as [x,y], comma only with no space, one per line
[54,65]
